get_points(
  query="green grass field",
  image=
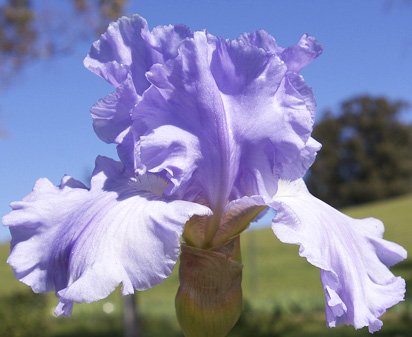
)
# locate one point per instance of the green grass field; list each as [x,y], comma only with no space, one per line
[282,292]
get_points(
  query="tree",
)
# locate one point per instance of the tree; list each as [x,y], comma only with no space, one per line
[366,154]
[29,31]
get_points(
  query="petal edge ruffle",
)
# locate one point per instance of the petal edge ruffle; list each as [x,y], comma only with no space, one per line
[83,243]
[351,254]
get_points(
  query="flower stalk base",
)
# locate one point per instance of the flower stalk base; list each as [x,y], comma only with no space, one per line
[209,299]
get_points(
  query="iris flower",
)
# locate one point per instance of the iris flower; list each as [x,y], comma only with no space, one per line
[210,133]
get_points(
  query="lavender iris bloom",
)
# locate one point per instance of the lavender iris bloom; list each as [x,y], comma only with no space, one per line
[209,132]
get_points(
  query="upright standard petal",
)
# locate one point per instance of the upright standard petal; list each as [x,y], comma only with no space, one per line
[252,118]
[129,47]
[122,56]
[176,155]
[111,115]
[301,54]
[83,243]
[352,255]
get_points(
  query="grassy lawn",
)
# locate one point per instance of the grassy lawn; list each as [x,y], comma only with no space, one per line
[282,293]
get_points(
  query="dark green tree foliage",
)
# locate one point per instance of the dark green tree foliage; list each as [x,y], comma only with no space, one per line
[366,154]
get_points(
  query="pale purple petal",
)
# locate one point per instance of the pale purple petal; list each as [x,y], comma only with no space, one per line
[122,56]
[352,255]
[236,97]
[295,57]
[303,53]
[171,150]
[257,164]
[262,39]
[111,115]
[185,95]
[83,243]
[118,48]
[128,47]
[252,118]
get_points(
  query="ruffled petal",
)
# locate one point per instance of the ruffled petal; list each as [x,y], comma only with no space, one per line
[263,40]
[185,95]
[303,53]
[122,56]
[236,98]
[112,56]
[295,58]
[170,149]
[83,243]
[128,47]
[352,255]
[111,115]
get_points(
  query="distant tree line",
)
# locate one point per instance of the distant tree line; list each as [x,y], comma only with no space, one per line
[366,153]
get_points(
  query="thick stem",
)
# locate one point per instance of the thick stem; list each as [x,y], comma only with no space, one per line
[209,299]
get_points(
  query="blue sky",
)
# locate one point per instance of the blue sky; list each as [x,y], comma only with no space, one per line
[367,49]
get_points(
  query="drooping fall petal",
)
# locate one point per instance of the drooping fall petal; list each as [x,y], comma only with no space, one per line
[83,243]
[351,253]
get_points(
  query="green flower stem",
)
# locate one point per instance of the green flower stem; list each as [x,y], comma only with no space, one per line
[209,299]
